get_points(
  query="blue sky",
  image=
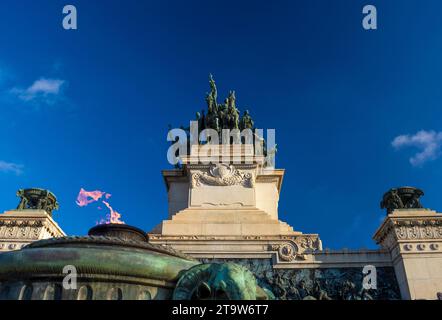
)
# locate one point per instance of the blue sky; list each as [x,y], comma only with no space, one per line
[89,108]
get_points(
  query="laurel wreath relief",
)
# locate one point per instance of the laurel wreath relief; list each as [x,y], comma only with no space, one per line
[223,175]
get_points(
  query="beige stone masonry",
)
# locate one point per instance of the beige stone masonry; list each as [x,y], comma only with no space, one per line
[414,239]
[21,227]
[225,207]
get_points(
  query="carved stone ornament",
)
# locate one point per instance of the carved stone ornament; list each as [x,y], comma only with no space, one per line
[308,243]
[414,229]
[287,252]
[221,174]
[22,223]
[413,234]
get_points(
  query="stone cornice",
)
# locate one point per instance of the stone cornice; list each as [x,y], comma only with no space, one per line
[19,227]
[411,227]
[262,176]
[155,236]
[285,249]
[411,232]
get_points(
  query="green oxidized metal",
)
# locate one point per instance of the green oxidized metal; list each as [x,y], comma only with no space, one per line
[117,262]
[36,198]
[107,268]
[218,281]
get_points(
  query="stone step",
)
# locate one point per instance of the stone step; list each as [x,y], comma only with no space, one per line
[225,216]
[224,229]
[224,222]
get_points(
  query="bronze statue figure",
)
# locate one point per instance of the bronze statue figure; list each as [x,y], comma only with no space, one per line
[225,116]
[213,90]
[246,121]
[37,199]
[401,198]
[319,292]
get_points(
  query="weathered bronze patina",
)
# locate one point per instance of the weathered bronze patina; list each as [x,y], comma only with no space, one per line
[401,198]
[109,265]
[116,262]
[219,281]
[226,116]
[36,198]
[120,231]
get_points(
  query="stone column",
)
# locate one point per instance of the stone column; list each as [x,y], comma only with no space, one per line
[414,239]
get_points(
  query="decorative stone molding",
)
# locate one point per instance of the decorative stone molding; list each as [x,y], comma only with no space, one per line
[416,228]
[287,252]
[21,227]
[222,175]
[297,248]
[304,241]
[21,223]
[208,166]
[309,243]
[420,247]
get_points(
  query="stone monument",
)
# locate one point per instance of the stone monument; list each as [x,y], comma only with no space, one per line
[227,208]
[227,211]
[31,221]
[413,237]
[222,237]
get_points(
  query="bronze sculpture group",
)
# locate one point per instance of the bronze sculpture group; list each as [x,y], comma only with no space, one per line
[36,198]
[401,198]
[223,115]
[226,117]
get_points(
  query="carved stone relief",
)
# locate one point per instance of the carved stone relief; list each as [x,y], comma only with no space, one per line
[417,229]
[287,252]
[222,175]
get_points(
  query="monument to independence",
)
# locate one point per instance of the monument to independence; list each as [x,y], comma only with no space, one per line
[222,238]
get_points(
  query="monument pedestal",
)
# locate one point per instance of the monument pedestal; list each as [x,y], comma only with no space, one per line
[414,239]
[226,209]
[21,227]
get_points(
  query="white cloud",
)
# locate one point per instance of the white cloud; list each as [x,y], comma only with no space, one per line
[11,167]
[43,90]
[429,142]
